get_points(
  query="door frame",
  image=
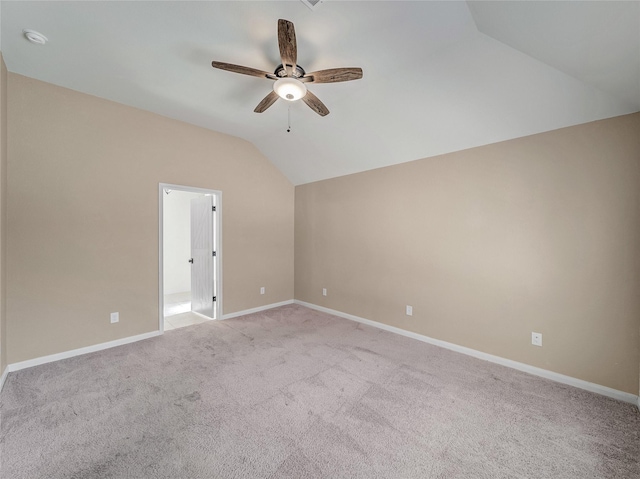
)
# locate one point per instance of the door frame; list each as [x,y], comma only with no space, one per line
[217,231]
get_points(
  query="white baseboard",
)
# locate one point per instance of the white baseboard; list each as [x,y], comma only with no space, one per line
[78,352]
[112,344]
[256,310]
[561,378]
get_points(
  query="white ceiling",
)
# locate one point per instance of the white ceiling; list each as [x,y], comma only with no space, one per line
[438,76]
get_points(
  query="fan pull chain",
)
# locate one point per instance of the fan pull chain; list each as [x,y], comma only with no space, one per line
[289,119]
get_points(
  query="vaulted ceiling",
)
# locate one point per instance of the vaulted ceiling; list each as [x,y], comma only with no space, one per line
[438,76]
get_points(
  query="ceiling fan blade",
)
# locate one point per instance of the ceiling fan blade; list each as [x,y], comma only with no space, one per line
[243,70]
[315,104]
[287,45]
[266,102]
[333,75]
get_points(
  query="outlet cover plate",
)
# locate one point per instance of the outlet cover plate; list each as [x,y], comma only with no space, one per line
[115,317]
[536,339]
[324,291]
[409,310]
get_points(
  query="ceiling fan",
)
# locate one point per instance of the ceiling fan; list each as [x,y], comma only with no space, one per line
[290,78]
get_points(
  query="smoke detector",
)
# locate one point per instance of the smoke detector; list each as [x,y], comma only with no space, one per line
[35,37]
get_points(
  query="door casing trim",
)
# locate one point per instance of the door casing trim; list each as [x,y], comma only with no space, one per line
[217,228]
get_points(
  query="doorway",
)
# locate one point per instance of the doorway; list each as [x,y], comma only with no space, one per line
[190,256]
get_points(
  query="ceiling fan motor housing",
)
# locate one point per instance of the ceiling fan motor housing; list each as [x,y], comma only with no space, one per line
[281,72]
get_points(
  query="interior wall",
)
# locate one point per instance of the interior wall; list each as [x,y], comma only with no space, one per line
[540,234]
[83,217]
[3,215]
[176,225]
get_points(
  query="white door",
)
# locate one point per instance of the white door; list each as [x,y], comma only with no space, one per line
[202,256]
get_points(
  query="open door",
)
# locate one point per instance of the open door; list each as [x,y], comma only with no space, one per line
[202,256]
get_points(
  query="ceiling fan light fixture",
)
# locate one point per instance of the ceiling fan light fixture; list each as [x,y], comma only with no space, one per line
[290,89]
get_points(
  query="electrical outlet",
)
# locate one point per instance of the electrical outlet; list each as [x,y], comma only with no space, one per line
[262,290]
[324,291]
[409,311]
[115,317]
[536,339]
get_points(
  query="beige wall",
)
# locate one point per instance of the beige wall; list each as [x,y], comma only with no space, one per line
[83,217]
[3,214]
[535,234]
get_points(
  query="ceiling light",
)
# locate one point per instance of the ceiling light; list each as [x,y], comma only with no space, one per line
[35,37]
[289,89]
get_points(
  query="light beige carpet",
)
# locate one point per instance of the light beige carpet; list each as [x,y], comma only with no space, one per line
[295,393]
